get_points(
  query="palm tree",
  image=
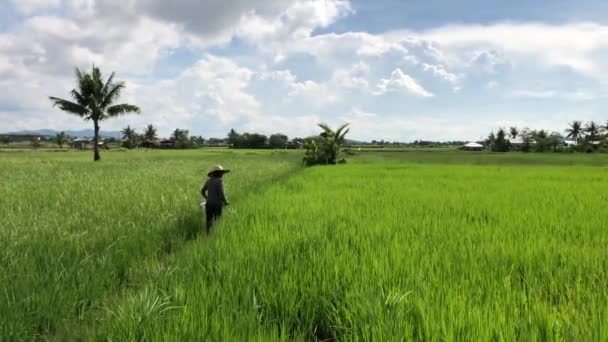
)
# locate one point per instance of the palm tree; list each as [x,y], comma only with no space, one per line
[335,141]
[129,135]
[575,131]
[513,132]
[150,134]
[94,100]
[60,139]
[593,131]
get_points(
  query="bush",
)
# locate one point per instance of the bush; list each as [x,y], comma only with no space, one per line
[326,148]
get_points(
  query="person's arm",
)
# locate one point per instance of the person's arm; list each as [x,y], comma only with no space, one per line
[222,194]
[204,190]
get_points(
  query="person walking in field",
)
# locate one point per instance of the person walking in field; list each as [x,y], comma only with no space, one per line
[213,192]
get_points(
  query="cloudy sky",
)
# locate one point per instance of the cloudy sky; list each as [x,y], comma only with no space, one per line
[397,70]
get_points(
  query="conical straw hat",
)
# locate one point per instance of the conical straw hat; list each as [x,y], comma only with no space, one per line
[217,168]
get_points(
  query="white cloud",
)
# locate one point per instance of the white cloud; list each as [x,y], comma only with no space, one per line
[570,45]
[400,81]
[353,78]
[440,71]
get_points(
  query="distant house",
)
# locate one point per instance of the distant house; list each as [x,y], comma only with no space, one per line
[472,146]
[168,143]
[85,143]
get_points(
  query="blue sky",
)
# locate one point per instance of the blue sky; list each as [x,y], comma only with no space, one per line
[397,70]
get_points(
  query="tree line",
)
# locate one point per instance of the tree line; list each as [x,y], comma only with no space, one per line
[590,137]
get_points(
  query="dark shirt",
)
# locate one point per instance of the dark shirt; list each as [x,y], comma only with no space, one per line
[213,191]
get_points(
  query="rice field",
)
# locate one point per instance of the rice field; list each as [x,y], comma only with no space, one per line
[392,246]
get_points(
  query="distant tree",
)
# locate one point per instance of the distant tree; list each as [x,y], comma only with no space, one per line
[234,139]
[129,136]
[278,141]
[197,141]
[542,140]
[491,140]
[150,133]
[575,131]
[592,130]
[5,139]
[527,138]
[255,140]
[513,132]
[501,144]
[182,138]
[554,140]
[95,101]
[60,139]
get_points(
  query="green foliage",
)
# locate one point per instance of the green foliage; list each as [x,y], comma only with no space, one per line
[182,138]
[94,99]
[60,139]
[575,131]
[150,136]
[327,147]
[247,140]
[501,144]
[278,141]
[130,137]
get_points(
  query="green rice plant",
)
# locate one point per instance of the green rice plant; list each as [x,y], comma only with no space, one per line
[401,251]
[73,235]
[392,246]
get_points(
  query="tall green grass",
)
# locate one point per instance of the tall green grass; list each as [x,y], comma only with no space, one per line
[392,252]
[74,233]
[447,246]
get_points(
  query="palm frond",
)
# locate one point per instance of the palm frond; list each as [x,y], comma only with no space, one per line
[70,107]
[343,135]
[121,109]
[113,93]
[78,97]
[326,128]
[79,75]
[340,129]
[109,83]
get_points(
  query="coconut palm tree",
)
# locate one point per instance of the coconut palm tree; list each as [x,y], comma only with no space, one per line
[129,135]
[150,134]
[575,131]
[593,131]
[95,100]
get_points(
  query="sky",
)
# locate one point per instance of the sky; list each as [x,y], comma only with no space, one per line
[393,69]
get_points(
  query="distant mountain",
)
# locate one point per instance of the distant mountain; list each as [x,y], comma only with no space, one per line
[72,133]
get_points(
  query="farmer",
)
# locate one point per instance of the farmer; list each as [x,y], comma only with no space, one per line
[213,192]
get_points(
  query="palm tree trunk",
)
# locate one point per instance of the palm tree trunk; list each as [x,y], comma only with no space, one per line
[96,156]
